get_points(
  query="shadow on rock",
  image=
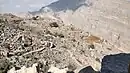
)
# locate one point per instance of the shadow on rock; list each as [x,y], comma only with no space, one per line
[117,63]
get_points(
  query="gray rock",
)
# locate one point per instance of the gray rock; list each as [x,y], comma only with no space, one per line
[88,69]
[115,63]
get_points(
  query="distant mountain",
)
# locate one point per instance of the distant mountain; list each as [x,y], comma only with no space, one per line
[63,5]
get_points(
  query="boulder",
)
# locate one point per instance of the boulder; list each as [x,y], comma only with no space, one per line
[117,63]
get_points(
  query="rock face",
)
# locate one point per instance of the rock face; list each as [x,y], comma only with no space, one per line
[118,63]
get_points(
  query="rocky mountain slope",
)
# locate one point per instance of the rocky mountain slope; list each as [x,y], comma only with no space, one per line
[77,36]
[109,19]
[46,41]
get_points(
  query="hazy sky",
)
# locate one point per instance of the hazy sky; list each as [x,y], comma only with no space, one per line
[22,5]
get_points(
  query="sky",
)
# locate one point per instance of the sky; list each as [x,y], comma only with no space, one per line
[22,5]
